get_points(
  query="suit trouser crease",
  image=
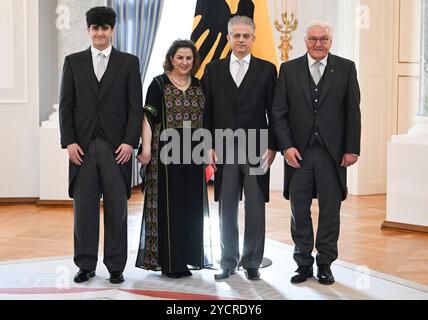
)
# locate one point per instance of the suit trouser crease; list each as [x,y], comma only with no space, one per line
[100,174]
[234,175]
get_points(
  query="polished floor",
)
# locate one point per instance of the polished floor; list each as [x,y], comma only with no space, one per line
[29,231]
[51,279]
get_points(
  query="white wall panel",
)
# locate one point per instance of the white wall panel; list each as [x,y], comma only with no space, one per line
[375,75]
[410,31]
[14,56]
[19,107]
[6,74]
[408,101]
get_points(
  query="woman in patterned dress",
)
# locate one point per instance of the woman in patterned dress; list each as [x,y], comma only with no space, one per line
[175,205]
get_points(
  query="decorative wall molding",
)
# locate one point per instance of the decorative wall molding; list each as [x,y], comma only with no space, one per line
[6,54]
[16,90]
[409,36]
[406,31]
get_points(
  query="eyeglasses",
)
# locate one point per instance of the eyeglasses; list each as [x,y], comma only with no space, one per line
[238,36]
[323,41]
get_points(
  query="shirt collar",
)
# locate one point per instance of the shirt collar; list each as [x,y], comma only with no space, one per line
[234,58]
[106,52]
[311,61]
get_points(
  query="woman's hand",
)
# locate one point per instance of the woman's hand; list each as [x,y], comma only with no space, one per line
[144,157]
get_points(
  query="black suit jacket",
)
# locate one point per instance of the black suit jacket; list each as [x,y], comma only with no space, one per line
[117,105]
[246,107]
[339,116]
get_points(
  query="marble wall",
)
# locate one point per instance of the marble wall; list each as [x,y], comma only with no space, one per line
[71,25]
[62,32]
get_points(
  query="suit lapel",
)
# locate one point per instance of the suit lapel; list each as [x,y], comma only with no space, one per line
[303,76]
[250,77]
[87,67]
[112,68]
[329,76]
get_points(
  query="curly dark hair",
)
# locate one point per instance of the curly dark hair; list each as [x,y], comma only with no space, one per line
[179,44]
[101,16]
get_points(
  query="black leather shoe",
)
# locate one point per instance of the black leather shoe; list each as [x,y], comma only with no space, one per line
[324,275]
[116,277]
[177,275]
[186,273]
[224,274]
[252,274]
[174,275]
[302,274]
[83,276]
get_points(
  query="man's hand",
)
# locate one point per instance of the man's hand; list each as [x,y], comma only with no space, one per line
[292,156]
[75,153]
[144,157]
[212,158]
[124,153]
[348,160]
[268,158]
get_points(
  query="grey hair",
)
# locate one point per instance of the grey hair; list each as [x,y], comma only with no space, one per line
[240,20]
[317,23]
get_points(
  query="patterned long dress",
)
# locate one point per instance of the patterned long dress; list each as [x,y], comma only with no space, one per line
[175,231]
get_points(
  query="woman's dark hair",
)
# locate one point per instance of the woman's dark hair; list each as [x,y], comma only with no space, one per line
[179,44]
[101,16]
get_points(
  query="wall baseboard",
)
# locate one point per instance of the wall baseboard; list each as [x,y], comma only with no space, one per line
[55,203]
[9,201]
[396,226]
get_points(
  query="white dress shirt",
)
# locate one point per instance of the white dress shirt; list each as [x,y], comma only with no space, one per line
[234,64]
[323,64]
[96,57]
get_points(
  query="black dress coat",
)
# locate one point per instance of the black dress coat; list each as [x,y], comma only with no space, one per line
[246,107]
[338,118]
[116,104]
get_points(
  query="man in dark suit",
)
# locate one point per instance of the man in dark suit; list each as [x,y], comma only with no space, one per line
[100,122]
[239,92]
[317,122]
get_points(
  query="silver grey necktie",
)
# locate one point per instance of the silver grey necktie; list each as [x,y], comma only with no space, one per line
[101,66]
[317,72]
[241,73]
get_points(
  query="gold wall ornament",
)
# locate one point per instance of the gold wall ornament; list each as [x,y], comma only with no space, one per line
[286,27]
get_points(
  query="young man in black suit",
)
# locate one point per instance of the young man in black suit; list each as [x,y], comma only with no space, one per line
[100,123]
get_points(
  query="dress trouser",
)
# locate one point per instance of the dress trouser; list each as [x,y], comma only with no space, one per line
[233,177]
[317,171]
[99,176]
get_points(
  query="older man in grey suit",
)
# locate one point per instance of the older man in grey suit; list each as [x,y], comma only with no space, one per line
[318,126]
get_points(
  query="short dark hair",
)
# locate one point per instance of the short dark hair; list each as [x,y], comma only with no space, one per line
[101,16]
[179,44]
